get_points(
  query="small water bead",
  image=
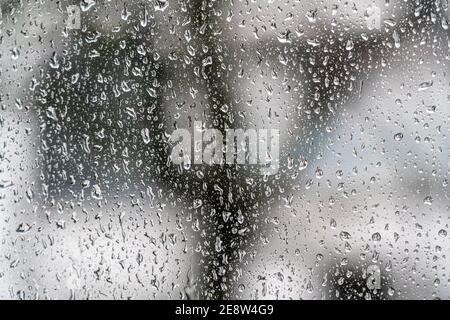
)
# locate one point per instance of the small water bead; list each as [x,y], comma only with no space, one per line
[376,237]
[442,233]
[398,136]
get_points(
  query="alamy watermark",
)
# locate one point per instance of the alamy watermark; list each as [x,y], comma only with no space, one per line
[238,146]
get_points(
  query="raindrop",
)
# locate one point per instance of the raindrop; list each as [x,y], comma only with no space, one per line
[376,237]
[428,200]
[398,136]
[425,85]
[145,133]
[161,5]
[442,233]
